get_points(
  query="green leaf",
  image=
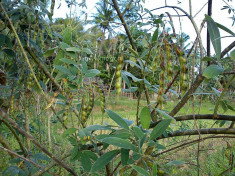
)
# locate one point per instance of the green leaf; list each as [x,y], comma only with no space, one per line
[175,163]
[9,52]
[224,106]
[64,70]
[2,40]
[155,35]
[87,51]
[232,54]
[212,71]
[144,53]
[124,156]
[74,152]
[116,118]
[119,142]
[145,117]
[84,67]
[86,162]
[165,115]
[124,134]
[73,49]
[214,35]
[205,59]
[230,107]
[59,56]
[126,80]
[132,76]
[41,156]
[138,132]
[132,63]
[154,170]
[140,170]
[69,61]
[104,160]
[49,52]
[133,52]
[224,28]
[11,171]
[142,140]
[159,146]
[96,127]
[91,73]
[69,131]
[64,46]
[91,155]
[67,36]
[159,129]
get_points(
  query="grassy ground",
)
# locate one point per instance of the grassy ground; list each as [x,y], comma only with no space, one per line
[212,157]
[127,108]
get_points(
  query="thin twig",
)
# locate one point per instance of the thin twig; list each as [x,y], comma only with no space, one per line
[202,131]
[221,96]
[199,117]
[190,142]
[16,136]
[26,159]
[15,125]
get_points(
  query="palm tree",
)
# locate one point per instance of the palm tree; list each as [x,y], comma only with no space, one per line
[104,16]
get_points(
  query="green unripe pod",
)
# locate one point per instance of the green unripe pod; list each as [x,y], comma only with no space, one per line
[118,73]
[102,97]
[118,83]
[119,67]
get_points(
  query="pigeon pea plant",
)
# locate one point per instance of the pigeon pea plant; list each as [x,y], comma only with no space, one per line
[124,147]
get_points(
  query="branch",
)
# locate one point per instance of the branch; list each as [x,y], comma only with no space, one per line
[16,136]
[192,21]
[5,144]
[208,44]
[127,7]
[188,94]
[227,49]
[28,62]
[124,24]
[45,169]
[48,74]
[191,142]
[15,125]
[26,159]
[173,28]
[199,117]
[167,89]
[198,81]
[201,131]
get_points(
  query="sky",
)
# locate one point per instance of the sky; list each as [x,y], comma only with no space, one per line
[220,16]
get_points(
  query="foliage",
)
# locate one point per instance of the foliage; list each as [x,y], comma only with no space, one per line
[49,90]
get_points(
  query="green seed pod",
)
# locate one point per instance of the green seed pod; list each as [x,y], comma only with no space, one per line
[183,69]
[161,80]
[35,33]
[118,76]
[118,73]
[84,113]
[102,96]
[41,37]
[91,103]
[169,59]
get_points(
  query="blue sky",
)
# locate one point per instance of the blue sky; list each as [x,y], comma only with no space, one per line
[220,16]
